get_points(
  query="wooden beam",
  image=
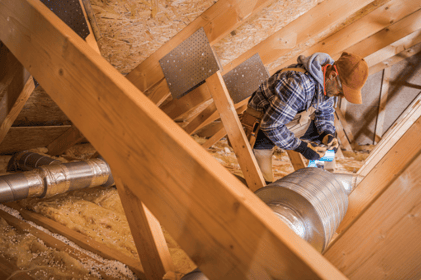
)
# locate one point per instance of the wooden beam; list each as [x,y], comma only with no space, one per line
[394,133]
[236,135]
[382,17]
[52,242]
[296,159]
[28,137]
[221,132]
[189,102]
[395,59]
[82,240]
[218,21]
[207,116]
[345,125]
[341,134]
[16,85]
[147,234]
[385,171]
[220,224]
[382,105]
[381,242]
[393,49]
[159,92]
[71,137]
[311,24]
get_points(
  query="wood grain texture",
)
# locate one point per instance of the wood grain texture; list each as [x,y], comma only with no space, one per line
[24,138]
[235,132]
[218,21]
[385,171]
[147,234]
[296,159]
[219,223]
[365,27]
[71,137]
[382,244]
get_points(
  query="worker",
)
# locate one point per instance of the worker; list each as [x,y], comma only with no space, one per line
[297,103]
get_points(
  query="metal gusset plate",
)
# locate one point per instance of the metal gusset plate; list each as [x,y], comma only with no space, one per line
[244,79]
[189,64]
[70,11]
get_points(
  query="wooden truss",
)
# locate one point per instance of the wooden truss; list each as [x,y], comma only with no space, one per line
[221,225]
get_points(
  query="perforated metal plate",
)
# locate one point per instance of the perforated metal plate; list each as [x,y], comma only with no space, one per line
[244,79]
[71,13]
[189,64]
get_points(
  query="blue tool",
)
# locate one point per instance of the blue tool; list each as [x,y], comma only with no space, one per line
[329,156]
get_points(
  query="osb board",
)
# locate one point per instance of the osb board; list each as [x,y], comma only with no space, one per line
[131,30]
[41,110]
[24,138]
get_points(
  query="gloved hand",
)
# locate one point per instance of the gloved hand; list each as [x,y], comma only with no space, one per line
[310,151]
[330,141]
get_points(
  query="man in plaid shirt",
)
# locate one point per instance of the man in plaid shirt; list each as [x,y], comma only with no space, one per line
[310,85]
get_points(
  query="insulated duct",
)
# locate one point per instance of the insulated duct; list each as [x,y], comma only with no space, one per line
[311,201]
[50,177]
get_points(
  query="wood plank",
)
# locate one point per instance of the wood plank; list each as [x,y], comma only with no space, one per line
[218,222]
[159,92]
[385,171]
[189,102]
[30,137]
[68,139]
[381,243]
[345,125]
[215,138]
[83,241]
[220,133]
[147,234]
[52,242]
[310,25]
[341,135]
[382,105]
[235,132]
[395,59]
[207,116]
[296,159]
[394,133]
[393,49]
[13,100]
[218,21]
[382,17]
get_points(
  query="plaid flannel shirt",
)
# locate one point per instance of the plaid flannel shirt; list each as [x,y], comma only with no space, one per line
[284,95]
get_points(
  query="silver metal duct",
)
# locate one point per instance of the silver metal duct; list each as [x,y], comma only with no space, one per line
[49,180]
[27,161]
[311,201]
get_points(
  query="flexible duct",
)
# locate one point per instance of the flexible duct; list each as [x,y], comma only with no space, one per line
[52,179]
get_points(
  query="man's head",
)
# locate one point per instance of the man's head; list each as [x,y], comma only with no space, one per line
[353,73]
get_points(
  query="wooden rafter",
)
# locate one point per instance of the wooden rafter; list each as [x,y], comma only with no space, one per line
[218,21]
[385,171]
[240,237]
[312,23]
[380,242]
[236,135]
[71,137]
[16,86]
[380,19]
[382,105]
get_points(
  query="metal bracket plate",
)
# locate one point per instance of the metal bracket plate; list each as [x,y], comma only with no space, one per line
[246,78]
[189,64]
[70,11]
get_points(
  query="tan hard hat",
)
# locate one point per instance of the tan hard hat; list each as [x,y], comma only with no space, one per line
[353,72]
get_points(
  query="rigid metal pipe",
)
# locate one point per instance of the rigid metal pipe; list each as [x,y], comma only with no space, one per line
[52,179]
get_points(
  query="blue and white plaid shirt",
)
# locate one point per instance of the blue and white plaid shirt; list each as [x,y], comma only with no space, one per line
[284,95]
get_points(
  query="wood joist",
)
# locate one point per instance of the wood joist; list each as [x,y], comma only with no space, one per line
[239,236]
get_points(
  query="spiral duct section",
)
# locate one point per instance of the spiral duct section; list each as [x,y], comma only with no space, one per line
[311,201]
[51,179]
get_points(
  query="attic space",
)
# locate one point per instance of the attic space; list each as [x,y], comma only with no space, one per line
[210,139]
